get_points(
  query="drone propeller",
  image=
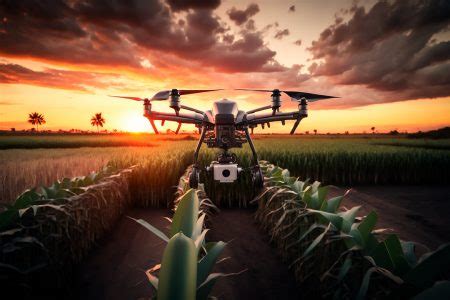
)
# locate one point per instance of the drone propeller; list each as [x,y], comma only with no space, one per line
[131,98]
[295,95]
[164,95]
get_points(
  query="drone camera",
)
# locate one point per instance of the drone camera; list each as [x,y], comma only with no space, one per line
[225,173]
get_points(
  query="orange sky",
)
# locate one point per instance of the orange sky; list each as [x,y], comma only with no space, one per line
[69,91]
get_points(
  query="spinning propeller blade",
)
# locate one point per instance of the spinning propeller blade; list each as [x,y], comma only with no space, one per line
[131,98]
[295,95]
[164,95]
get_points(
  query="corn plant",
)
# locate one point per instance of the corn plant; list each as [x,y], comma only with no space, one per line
[48,230]
[185,270]
[334,248]
[54,196]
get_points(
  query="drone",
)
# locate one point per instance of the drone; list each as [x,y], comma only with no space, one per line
[225,127]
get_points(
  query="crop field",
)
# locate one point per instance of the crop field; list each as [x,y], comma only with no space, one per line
[80,188]
[332,160]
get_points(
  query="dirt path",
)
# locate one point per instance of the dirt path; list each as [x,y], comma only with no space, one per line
[115,270]
[266,277]
[417,213]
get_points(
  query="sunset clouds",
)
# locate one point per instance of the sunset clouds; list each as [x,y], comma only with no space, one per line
[393,47]
[373,52]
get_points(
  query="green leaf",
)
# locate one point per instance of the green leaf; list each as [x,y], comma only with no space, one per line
[186,215]
[429,269]
[409,249]
[333,204]
[316,241]
[348,218]
[8,217]
[151,228]
[365,284]
[26,199]
[366,226]
[178,275]
[334,219]
[441,290]
[389,255]
[206,264]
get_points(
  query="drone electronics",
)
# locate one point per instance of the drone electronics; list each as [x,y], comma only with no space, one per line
[226,127]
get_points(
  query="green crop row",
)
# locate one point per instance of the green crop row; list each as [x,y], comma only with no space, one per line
[48,230]
[334,252]
[187,262]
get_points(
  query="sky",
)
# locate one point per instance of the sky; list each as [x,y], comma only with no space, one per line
[387,61]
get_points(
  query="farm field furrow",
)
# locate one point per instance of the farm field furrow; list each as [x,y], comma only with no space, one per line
[134,250]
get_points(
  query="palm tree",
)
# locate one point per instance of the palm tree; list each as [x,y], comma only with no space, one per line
[36,119]
[97,120]
[373,130]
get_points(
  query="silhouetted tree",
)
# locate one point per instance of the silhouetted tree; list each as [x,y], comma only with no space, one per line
[36,119]
[97,120]
[373,130]
[315,131]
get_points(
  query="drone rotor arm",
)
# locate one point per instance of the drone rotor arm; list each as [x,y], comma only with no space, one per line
[259,109]
[191,109]
[187,118]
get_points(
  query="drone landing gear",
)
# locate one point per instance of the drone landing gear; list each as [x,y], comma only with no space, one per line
[257,178]
[194,178]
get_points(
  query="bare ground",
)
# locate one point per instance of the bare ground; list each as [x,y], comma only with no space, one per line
[115,270]
[417,213]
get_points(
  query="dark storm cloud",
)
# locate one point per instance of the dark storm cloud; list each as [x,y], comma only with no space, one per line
[281,34]
[195,4]
[241,16]
[292,8]
[391,48]
[120,32]
[71,80]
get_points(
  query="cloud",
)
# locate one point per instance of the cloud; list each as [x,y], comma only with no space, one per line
[241,16]
[292,8]
[391,48]
[124,33]
[7,102]
[281,33]
[70,80]
[177,5]
[298,42]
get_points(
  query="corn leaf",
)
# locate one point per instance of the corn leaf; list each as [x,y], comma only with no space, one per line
[186,215]
[178,275]
[441,290]
[151,228]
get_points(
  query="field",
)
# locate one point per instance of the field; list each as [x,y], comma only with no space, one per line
[332,160]
[402,180]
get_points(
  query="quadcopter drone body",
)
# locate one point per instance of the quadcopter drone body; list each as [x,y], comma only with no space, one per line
[226,127]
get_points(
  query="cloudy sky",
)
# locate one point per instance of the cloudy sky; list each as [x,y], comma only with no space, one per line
[388,61]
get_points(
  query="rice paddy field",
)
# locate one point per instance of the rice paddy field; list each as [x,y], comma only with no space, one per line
[90,200]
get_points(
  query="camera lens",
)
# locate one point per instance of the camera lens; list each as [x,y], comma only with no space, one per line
[226,173]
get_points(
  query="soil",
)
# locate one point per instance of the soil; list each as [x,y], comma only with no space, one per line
[115,269]
[417,213]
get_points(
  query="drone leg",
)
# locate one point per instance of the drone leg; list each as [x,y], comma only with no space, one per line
[154,126]
[257,176]
[252,147]
[194,177]
[197,150]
